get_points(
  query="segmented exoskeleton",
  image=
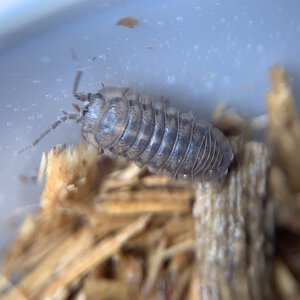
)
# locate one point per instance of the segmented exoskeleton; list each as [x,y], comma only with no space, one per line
[124,123]
[129,125]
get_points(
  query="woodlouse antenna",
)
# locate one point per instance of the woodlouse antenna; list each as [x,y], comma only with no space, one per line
[61,119]
[81,96]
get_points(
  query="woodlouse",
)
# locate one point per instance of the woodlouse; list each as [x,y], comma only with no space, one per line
[121,122]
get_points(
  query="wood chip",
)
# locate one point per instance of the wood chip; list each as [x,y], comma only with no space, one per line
[284,126]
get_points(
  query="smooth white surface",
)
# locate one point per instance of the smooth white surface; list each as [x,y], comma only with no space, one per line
[201,53]
[16,14]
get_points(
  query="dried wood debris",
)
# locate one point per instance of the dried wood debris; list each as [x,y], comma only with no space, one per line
[284,183]
[106,230]
[97,235]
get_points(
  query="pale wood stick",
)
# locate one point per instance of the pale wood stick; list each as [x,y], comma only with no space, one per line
[233,222]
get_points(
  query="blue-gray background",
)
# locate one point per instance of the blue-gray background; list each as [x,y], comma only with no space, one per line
[197,53]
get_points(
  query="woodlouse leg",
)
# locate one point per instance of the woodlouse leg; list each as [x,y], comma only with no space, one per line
[81,96]
[61,119]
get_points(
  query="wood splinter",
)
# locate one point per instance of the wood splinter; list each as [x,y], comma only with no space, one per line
[233,226]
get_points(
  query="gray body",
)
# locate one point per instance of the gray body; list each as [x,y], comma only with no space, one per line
[124,123]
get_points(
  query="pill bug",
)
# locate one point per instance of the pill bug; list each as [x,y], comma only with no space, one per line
[121,122]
